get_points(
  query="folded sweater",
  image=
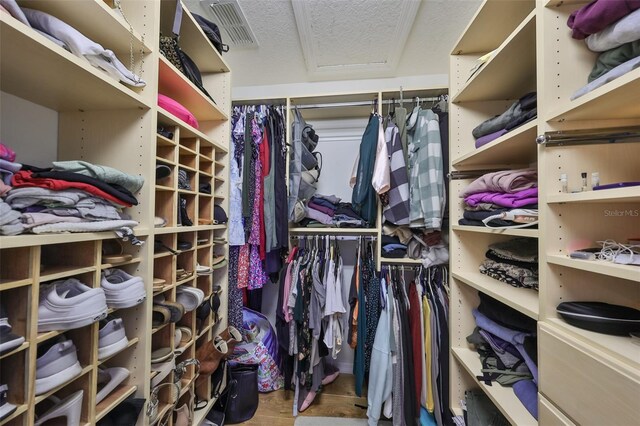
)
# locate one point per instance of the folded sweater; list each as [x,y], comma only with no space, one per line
[104,173]
[508,181]
[597,15]
[623,31]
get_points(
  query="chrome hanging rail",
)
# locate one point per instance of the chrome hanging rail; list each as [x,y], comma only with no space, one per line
[362,103]
[582,137]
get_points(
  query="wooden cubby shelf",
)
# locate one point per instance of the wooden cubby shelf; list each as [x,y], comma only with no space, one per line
[102,121]
[60,80]
[517,232]
[630,194]
[602,267]
[524,300]
[509,72]
[503,397]
[517,147]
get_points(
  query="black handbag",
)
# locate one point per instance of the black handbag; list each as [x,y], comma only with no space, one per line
[212,32]
[238,402]
[171,50]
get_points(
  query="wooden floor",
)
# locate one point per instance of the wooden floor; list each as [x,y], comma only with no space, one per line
[336,400]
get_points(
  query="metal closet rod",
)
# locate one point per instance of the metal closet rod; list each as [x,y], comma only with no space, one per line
[335,237]
[362,103]
[581,137]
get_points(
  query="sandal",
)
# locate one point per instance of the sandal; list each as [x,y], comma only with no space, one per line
[158,284]
[181,274]
[160,316]
[159,246]
[161,355]
[176,310]
[113,252]
[219,261]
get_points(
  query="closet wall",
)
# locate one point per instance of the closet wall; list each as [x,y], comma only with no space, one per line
[585,378]
[82,113]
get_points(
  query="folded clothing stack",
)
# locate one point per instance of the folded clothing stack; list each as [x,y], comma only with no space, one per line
[613,28]
[392,247]
[514,262]
[72,196]
[506,341]
[327,210]
[508,198]
[74,41]
[10,222]
[522,111]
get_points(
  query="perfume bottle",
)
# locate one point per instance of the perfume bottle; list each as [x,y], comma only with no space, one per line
[584,181]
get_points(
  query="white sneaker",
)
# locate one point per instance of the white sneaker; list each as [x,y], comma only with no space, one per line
[122,290]
[189,297]
[57,366]
[68,304]
[111,338]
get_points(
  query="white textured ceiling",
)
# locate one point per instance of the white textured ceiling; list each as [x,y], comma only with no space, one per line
[345,39]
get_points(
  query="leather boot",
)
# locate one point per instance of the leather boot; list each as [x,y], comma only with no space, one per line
[232,337]
[210,354]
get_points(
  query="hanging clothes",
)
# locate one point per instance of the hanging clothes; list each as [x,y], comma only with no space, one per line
[364,197]
[397,210]
[412,346]
[426,174]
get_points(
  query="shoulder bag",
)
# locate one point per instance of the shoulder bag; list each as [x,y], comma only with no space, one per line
[171,50]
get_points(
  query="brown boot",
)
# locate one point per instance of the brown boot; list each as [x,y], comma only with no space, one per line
[210,354]
[232,337]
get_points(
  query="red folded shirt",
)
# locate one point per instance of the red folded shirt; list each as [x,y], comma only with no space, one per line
[23,179]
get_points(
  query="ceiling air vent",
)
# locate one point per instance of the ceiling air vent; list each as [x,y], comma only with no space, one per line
[229,16]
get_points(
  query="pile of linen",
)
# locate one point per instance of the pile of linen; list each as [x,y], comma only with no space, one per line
[498,193]
[612,29]
[71,196]
[520,112]
[328,210]
[514,262]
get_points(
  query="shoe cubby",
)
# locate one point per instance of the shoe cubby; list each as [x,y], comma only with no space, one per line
[166,154]
[205,168]
[185,261]
[168,139]
[190,209]
[81,383]
[191,179]
[166,205]
[119,394]
[14,373]
[58,261]
[203,239]
[16,267]
[205,210]
[162,244]
[163,269]
[19,316]
[117,254]
[167,183]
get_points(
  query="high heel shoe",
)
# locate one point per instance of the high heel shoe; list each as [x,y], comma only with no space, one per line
[70,407]
[232,337]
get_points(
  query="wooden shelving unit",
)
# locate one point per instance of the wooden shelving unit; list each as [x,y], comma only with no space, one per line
[105,122]
[509,74]
[584,377]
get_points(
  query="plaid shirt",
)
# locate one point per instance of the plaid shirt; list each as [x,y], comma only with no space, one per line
[397,211]
[426,176]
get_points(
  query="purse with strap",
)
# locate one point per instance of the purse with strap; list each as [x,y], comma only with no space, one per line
[171,50]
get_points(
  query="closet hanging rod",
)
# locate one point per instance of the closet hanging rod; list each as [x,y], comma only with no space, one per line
[360,103]
[335,237]
[469,174]
[605,136]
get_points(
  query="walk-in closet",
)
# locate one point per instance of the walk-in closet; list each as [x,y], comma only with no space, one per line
[314,212]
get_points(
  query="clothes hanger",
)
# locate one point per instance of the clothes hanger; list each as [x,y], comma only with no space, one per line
[392,108]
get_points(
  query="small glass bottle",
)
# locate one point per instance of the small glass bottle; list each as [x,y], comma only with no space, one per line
[584,181]
[564,182]
[595,179]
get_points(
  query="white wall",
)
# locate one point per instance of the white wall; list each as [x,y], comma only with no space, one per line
[29,129]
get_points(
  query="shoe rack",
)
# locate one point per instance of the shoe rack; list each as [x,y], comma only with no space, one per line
[585,378]
[105,122]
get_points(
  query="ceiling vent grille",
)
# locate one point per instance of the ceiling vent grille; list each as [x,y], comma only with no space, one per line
[229,16]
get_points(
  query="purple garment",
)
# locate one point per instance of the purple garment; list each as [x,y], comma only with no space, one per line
[519,199]
[510,181]
[599,14]
[516,338]
[490,137]
[323,202]
[319,216]
[320,208]
[527,393]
